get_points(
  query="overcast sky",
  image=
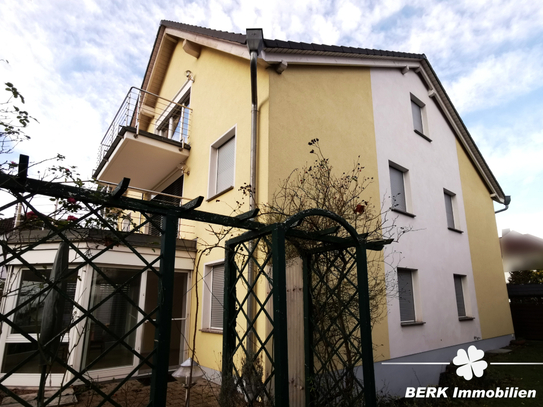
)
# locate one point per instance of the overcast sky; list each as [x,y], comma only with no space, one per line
[74,61]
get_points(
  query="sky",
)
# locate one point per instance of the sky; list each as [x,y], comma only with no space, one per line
[74,61]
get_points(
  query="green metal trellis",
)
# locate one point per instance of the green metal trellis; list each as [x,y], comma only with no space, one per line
[257,363]
[95,204]
[259,346]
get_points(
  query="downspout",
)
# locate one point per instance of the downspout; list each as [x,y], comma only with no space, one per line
[506,202]
[255,43]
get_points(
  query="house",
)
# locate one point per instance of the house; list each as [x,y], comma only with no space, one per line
[189,128]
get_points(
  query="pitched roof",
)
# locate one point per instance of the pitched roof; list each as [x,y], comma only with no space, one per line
[208,32]
[280,48]
[289,46]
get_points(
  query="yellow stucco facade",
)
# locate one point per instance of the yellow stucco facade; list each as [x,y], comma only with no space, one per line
[492,299]
[294,108]
[220,102]
[303,99]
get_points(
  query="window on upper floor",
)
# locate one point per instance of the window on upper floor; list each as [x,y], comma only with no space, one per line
[459,282]
[399,189]
[222,164]
[406,294]
[173,123]
[179,125]
[212,309]
[418,110]
[450,211]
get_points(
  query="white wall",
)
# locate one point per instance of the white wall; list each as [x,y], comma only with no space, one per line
[431,248]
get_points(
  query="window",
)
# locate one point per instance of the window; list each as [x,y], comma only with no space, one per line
[449,210]
[450,203]
[398,189]
[418,111]
[222,164]
[459,290]
[118,313]
[417,117]
[178,126]
[213,297]
[158,222]
[29,317]
[173,123]
[406,295]
[28,297]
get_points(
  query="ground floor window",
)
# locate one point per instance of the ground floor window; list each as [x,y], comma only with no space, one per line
[116,292]
[116,296]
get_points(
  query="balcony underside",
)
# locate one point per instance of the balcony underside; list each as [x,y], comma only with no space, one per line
[147,159]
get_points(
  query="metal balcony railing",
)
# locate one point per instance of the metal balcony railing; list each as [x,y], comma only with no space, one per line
[129,221]
[145,111]
[132,219]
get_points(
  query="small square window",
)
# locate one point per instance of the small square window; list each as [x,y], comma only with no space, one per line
[459,291]
[399,189]
[406,295]
[450,211]
[419,117]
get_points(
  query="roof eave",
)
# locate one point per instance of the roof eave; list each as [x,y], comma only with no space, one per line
[467,142]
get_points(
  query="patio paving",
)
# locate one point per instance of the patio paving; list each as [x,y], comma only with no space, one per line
[135,393]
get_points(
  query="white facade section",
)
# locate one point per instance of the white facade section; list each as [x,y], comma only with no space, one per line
[431,248]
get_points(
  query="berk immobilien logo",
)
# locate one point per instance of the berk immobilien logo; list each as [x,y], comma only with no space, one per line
[470,363]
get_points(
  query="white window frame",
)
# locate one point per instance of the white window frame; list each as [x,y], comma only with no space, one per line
[419,114]
[212,191]
[207,297]
[183,94]
[406,189]
[451,207]
[165,129]
[415,319]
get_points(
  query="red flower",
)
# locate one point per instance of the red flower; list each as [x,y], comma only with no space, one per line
[72,200]
[360,208]
[72,218]
[31,215]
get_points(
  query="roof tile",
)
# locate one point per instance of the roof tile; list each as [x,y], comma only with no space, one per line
[318,47]
[295,45]
[270,44]
[282,44]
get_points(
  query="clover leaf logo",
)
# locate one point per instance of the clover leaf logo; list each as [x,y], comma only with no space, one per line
[470,363]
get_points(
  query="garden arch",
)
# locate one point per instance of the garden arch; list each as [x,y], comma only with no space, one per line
[336,314]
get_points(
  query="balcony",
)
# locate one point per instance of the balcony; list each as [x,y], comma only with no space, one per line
[148,141]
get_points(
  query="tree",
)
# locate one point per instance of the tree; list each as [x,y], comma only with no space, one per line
[13,120]
[526,277]
[318,186]
[337,340]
